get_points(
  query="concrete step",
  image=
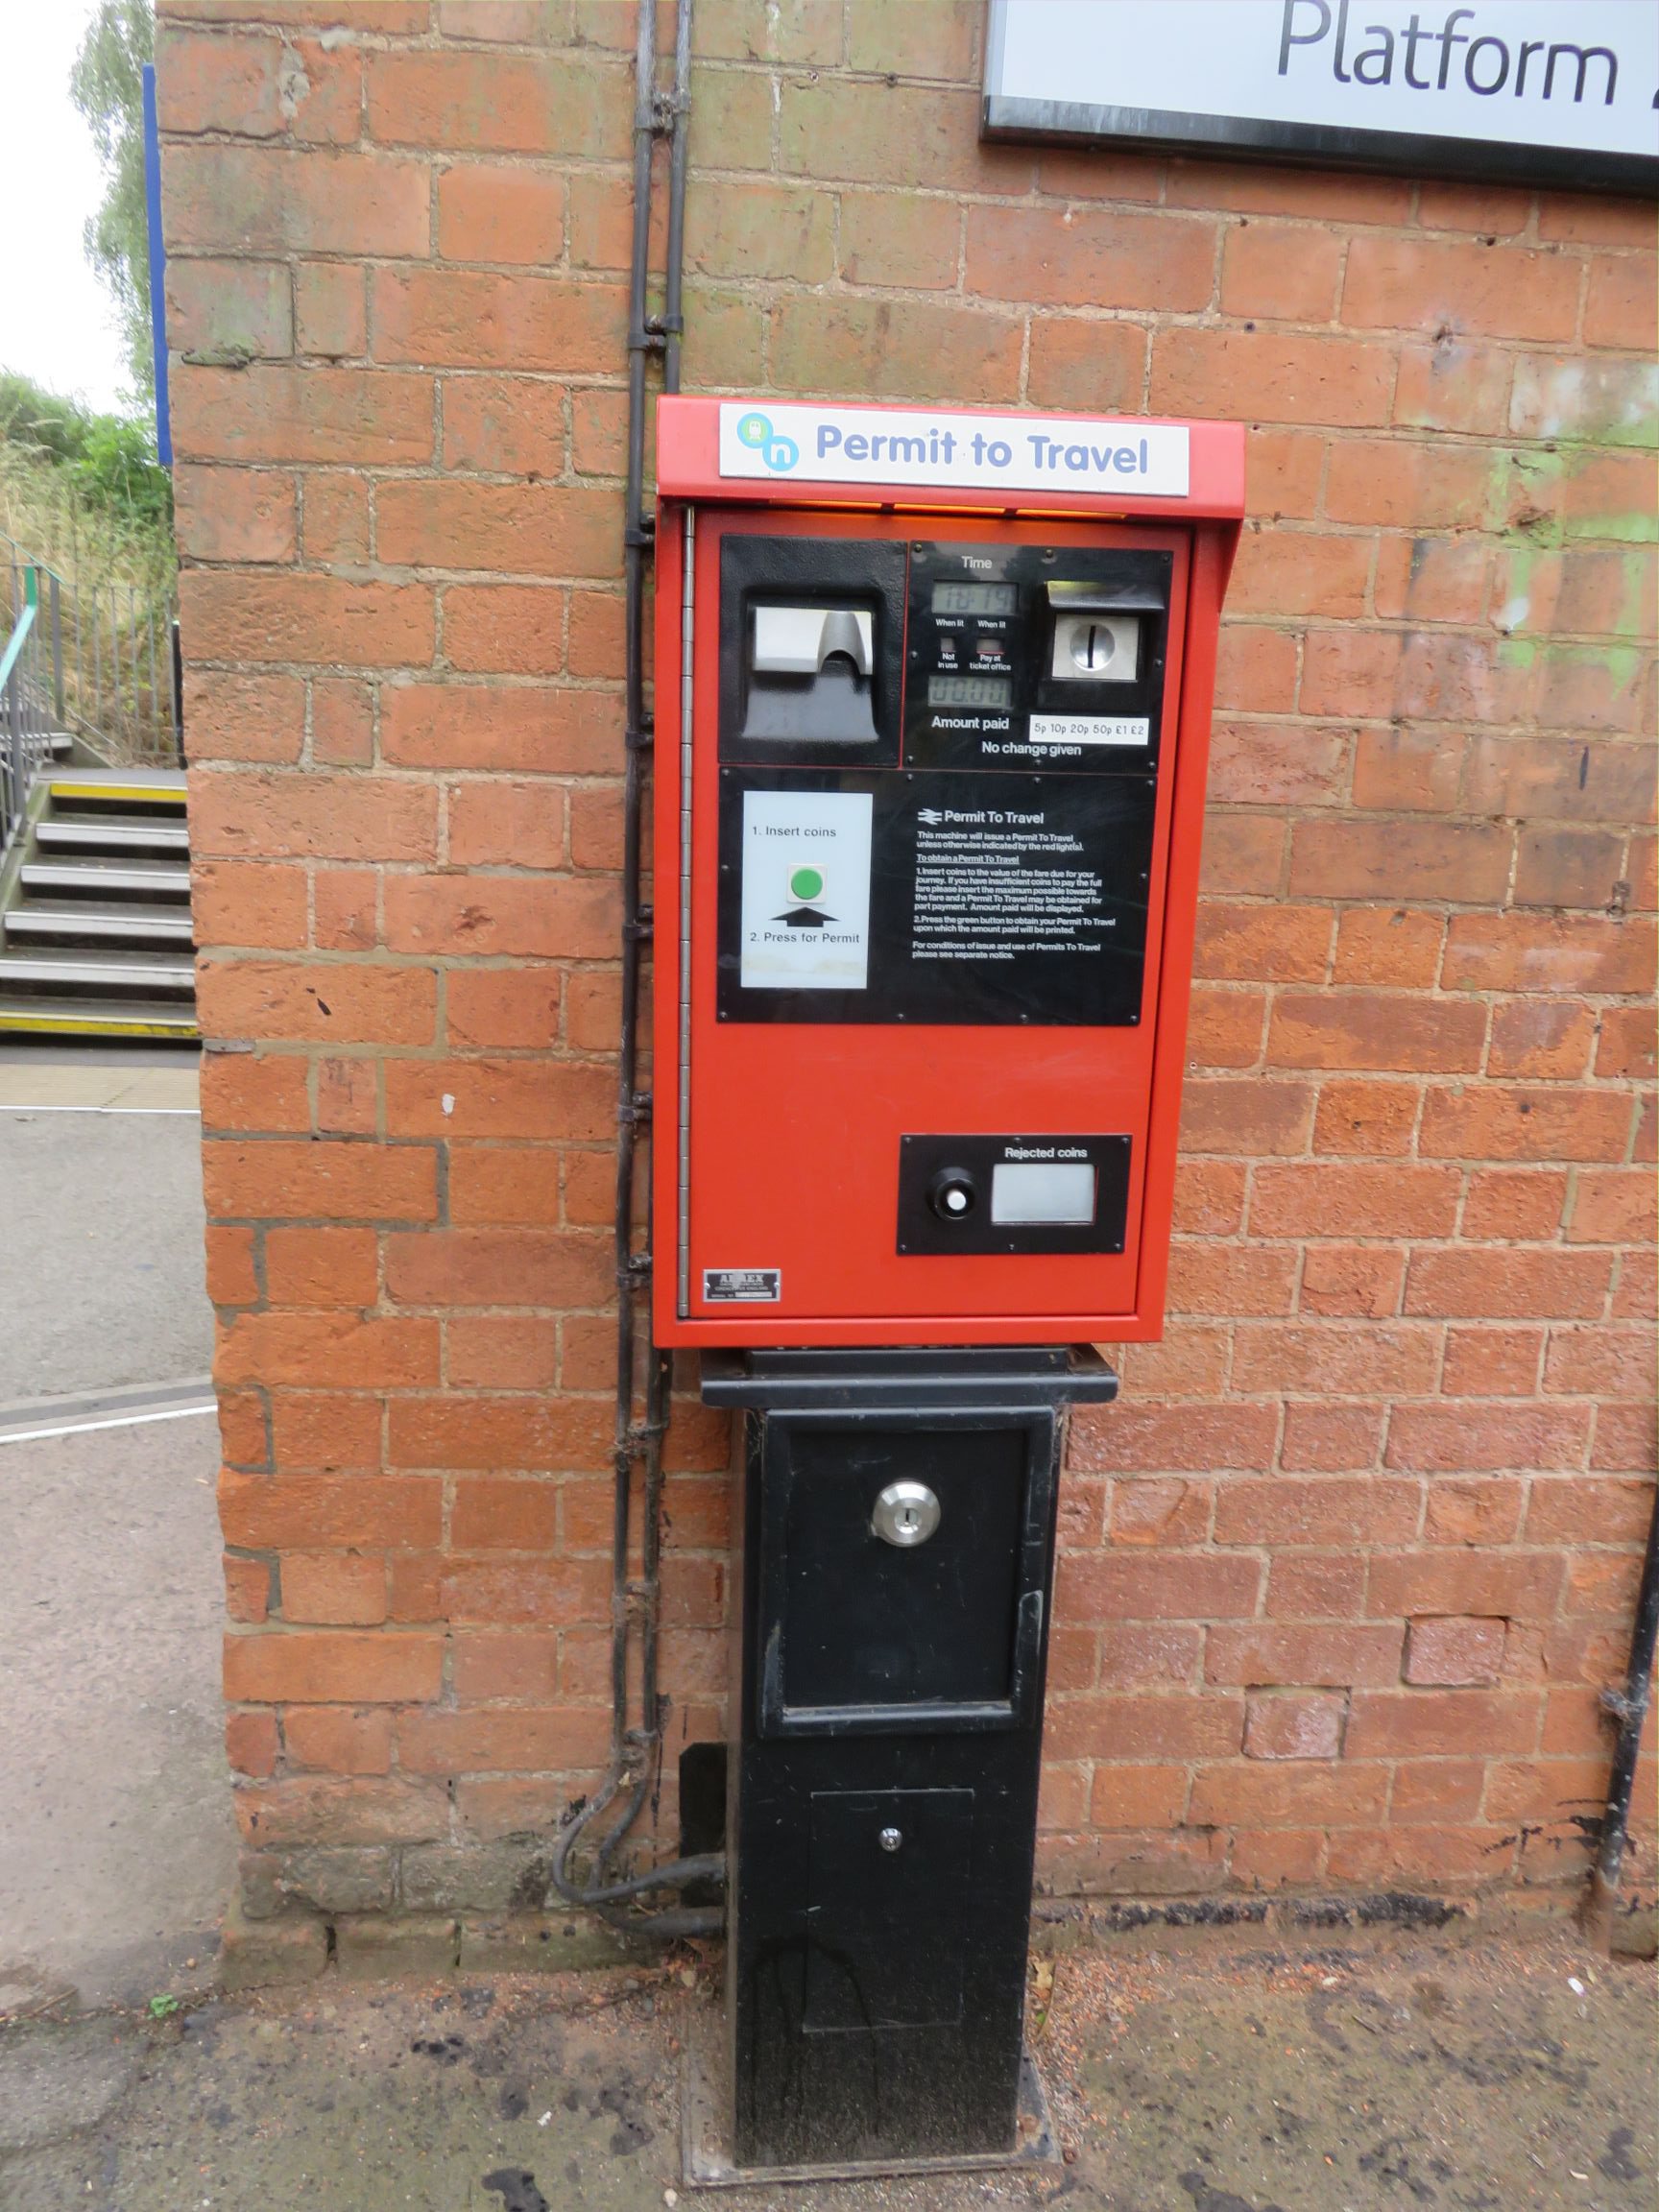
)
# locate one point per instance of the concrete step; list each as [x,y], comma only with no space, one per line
[97,942]
[57,744]
[70,971]
[62,833]
[42,1017]
[76,921]
[93,879]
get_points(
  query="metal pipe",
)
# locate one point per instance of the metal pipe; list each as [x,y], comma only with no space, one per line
[659,1369]
[177,661]
[153,717]
[57,651]
[1629,1708]
[13,738]
[627,1441]
[637,1442]
[18,764]
[674,251]
[137,670]
[622,1450]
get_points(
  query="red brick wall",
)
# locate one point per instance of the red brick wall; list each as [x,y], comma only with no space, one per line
[1347,1567]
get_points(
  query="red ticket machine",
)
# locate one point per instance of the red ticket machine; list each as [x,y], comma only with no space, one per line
[933,695]
[932,711]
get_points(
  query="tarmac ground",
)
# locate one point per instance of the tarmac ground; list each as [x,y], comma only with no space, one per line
[101,1266]
[117,1842]
[1478,2079]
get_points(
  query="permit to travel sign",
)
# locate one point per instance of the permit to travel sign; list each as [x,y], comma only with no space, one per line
[1561,92]
[933,446]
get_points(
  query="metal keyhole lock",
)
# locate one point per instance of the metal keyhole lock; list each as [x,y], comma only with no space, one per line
[905,1513]
[890,1839]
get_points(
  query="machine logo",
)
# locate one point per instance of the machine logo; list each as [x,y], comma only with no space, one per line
[778,453]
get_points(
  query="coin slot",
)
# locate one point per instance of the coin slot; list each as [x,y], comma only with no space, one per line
[1091,647]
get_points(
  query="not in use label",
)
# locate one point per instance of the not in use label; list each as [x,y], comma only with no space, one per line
[742,1285]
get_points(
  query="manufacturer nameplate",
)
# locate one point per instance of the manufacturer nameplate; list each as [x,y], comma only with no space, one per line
[742,1285]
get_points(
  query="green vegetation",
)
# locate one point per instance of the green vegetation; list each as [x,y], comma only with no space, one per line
[106,462]
[83,493]
[81,490]
[107,85]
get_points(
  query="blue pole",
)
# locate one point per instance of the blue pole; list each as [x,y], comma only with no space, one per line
[158,267]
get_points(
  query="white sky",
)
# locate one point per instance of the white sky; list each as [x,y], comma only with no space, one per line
[57,324]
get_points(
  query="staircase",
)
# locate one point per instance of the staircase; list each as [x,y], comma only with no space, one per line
[95,908]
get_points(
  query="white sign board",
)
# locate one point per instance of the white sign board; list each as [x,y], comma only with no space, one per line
[806,905]
[1544,91]
[933,446]
[1089,730]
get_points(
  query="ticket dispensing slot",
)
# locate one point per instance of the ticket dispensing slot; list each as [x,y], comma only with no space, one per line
[810,675]
[811,631]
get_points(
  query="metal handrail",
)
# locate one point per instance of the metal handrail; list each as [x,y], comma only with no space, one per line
[14,643]
[24,741]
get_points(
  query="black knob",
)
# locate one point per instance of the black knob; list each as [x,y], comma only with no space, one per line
[951,1194]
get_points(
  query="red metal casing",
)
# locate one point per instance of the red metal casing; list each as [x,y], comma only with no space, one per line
[775,1146]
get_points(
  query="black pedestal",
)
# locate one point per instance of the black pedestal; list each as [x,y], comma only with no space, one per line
[887,1733]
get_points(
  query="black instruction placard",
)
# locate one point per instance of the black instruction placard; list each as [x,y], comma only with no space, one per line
[988,899]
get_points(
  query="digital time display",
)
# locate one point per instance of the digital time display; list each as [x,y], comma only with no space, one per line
[976,598]
[994,691]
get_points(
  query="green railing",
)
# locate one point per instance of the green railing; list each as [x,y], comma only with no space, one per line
[25,703]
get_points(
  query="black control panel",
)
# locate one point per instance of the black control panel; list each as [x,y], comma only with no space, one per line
[938,779]
[1025,1194]
[1035,657]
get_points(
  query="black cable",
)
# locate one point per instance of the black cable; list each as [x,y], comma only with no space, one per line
[635,1751]
[1630,1707]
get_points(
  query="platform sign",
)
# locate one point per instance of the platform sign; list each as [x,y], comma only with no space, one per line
[1558,92]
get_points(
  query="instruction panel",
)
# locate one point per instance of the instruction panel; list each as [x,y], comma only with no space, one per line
[947,898]
[992,887]
[806,902]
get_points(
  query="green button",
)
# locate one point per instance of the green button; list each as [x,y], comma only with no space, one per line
[805,883]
